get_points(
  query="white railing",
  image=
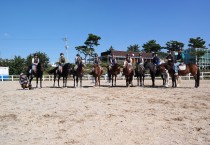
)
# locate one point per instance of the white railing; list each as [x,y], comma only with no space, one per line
[203,76]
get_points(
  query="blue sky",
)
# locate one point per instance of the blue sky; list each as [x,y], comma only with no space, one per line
[39,25]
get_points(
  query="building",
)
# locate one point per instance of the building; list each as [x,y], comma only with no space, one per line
[121,55]
[203,62]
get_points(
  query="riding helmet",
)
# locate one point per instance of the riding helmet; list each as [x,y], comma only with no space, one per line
[61,54]
[77,55]
[35,54]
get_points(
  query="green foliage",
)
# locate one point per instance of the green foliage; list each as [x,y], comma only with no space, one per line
[151,46]
[196,43]
[133,48]
[88,48]
[174,45]
[17,66]
[110,48]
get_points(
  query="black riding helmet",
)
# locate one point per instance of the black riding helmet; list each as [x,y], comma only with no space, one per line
[61,54]
[77,55]
[35,54]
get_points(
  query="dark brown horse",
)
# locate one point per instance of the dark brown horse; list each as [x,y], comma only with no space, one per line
[78,73]
[58,74]
[113,71]
[128,72]
[98,71]
[140,74]
[190,68]
[38,74]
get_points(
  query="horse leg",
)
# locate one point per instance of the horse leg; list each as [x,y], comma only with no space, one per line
[54,80]
[137,78]
[153,80]
[112,79]
[74,80]
[80,81]
[36,82]
[77,81]
[140,76]
[95,81]
[40,82]
[63,82]
[127,82]
[58,81]
[115,80]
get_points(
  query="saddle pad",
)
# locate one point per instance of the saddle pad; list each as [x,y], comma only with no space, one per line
[182,67]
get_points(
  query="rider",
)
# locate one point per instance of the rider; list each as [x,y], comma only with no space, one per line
[127,60]
[112,60]
[179,60]
[61,61]
[170,58]
[140,61]
[78,60]
[96,61]
[156,60]
[35,61]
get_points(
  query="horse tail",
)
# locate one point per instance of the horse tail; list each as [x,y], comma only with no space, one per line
[198,77]
[52,70]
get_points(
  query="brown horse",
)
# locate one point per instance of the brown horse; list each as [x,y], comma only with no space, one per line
[113,72]
[78,73]
[98,71]
[38,74]
[190,68]
[128,72]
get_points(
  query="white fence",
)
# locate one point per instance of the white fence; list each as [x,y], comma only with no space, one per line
[204,76]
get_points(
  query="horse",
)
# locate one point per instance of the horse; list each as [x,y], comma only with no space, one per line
[64,74]
[78,73]
[98,71]
[140,74]
[190,68]
[154,71]
[129,73]
[38,74]
[112,73]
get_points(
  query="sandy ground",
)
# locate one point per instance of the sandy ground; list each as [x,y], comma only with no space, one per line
[105,116]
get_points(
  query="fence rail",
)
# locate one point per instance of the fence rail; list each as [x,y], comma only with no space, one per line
[203,76]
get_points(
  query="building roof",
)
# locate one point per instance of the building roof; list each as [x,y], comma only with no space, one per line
[124,53]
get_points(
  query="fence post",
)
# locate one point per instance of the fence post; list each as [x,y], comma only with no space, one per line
[12,78]
[189,76]
[202,76]
[2,78]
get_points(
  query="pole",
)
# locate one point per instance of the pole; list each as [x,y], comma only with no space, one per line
[66,46]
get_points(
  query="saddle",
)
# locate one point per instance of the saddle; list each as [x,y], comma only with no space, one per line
[182,67]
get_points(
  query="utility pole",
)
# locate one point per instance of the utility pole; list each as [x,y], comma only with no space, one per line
[66,46]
